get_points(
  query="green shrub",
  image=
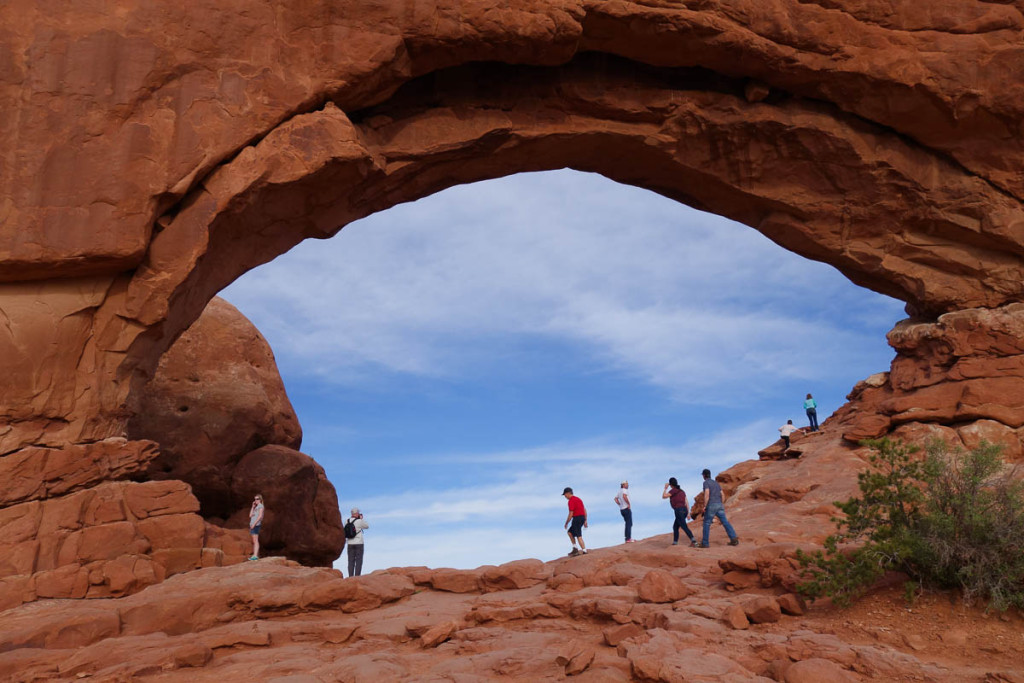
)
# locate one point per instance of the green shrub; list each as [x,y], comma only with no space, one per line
[952,519]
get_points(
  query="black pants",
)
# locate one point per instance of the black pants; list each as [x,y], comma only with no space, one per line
[355,559]
[627,517]
[680,523]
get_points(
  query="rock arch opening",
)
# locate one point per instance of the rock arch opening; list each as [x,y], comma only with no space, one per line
[629,306]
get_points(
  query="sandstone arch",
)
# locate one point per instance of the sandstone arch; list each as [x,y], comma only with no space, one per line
[149,159]
[844,133]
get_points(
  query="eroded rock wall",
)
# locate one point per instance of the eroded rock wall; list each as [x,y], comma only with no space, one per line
[215,396]
[958,378]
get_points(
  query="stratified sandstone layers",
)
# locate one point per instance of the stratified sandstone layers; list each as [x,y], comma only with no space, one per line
[79,522]
[960,378]
[108,539]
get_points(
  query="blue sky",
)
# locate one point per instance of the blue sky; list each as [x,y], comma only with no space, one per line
[456,361]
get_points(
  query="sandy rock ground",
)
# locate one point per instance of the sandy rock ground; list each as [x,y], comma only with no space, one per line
[645,611]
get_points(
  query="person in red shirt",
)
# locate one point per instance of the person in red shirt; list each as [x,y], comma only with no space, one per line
[578,518]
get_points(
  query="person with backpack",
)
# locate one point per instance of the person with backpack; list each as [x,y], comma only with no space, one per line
[680,507]
[354,528]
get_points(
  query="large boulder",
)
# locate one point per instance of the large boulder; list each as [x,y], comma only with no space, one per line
[215,397]
[301,519]
[218,409]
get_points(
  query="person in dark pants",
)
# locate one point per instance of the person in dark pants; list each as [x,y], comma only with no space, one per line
[355,544]
[625,509]
[811,407]
[786,430]
[680,506]
[578,518]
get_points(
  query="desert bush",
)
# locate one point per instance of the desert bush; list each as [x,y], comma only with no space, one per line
[950,519]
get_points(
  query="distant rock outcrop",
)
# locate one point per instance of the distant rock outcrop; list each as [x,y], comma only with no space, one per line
[960,378]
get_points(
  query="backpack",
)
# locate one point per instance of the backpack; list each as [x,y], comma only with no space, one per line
[350,529]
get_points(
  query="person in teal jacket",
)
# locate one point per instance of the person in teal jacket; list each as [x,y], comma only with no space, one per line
[812,412]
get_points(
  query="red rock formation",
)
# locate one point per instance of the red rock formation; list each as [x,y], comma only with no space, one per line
[965,369]
[220,413]
[72,525]
[107,540]
[642,611]
[883,142]
[302,520]
[215,397]
[151,153]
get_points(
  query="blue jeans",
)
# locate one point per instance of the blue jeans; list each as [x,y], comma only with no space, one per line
[627,517]
[812,416]
[710,512]
[680,523]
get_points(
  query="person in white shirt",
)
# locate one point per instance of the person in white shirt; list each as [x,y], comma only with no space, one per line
[355,544]
[625,509]
[787,429]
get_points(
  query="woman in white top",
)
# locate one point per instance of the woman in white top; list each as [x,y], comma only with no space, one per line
[625,509]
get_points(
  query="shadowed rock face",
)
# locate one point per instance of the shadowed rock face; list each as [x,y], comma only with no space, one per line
[225,426]
[216,396]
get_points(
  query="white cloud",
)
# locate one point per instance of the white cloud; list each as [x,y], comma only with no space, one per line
[449,286]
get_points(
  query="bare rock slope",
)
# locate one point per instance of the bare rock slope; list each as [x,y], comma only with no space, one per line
[645,612]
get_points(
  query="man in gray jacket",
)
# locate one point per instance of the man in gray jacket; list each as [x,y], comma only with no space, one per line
[355,544]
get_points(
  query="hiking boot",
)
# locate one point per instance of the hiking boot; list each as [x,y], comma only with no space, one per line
[734,541]
[693,544]
[675,542]
[703,545]
[574,552]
